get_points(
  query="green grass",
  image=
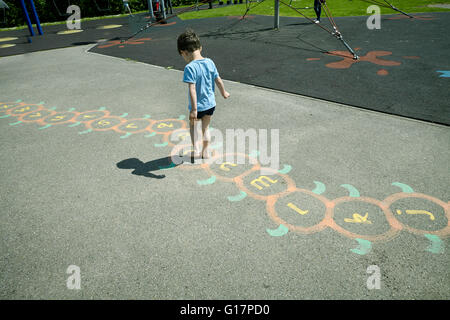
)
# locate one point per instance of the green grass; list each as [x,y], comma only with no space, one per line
[339,8]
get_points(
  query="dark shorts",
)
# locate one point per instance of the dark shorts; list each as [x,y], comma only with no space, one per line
[208,112]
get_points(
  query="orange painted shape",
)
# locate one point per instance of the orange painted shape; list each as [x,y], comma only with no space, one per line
[443,233]
[167,126]
[382,72]
[372,56]
[23,109]
[325,222]
[36,116]
[290,184]
[395,226]
[104,124]
[87,116]
[7,106]
[135,125]
[60,118]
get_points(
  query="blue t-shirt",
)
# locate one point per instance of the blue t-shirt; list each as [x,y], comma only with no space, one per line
[202,72]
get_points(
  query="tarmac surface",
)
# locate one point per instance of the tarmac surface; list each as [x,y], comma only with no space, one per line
[88,178]
[86,181]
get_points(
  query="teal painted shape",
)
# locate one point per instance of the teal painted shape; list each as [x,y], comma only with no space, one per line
[242,195]
[41,103]
[17,101]
[182,117]
[147,116]
[405,188]
[436,246]
[124,115]
[150,135]
[101,109]
[278,232]
[172,165]
[45,127]
[74,124]
[320,187]
[363,248]
[445,73]
[210,180]
[15,123]
[126,135]
[160,145]
[286,169]
[71,109]
[353,192]
[5,116]
[52,108]
[86,131]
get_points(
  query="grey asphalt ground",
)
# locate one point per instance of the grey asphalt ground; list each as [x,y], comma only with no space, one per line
[64,201]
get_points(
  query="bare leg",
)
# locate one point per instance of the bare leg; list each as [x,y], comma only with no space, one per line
[206,136]
[193,126]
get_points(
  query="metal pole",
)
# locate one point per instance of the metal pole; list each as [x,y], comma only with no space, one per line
[150,9]
[36,18]
[163,8]
[27,17]
[276,24]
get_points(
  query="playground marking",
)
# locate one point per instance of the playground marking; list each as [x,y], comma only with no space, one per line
[320,187]
[436,244]
[211,180]
[405,188]
[418,212]
[101,120]
[372,57]
[110,26]
[242,195]
[445,74]
[8,45]
[364,247]
[69,31]
[297,209]
[286,169]
[357,218]
[351,189]
[278,232]
[8,39]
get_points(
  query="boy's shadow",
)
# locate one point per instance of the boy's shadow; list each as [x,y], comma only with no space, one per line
[143,169]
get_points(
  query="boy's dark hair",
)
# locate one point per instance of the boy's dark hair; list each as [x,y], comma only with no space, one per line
[188,41]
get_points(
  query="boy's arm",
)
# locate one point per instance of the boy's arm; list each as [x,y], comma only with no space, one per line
[221,87]
[193,97]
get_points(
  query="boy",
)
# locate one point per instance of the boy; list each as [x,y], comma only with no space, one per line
[200,74]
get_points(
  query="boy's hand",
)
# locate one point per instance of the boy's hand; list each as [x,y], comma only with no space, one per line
[226,94]
[193,115]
